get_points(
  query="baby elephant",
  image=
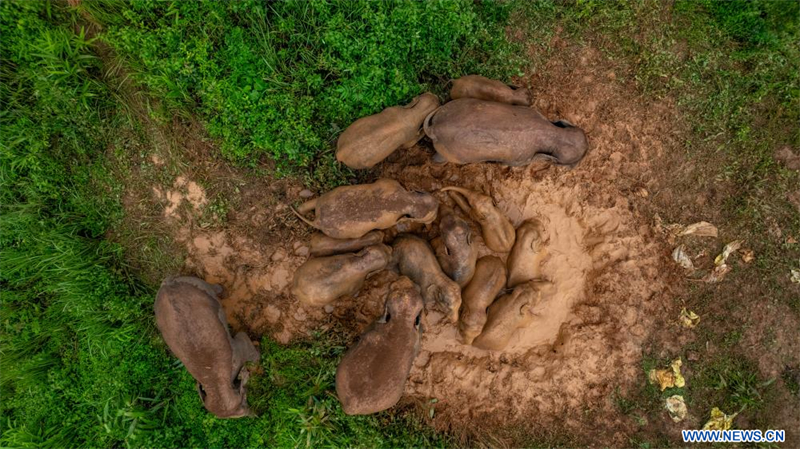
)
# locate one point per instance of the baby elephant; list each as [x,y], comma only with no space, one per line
[321,280]
[497,230]
[415,259]
[193,324]
[467,131]
[369,140]
[455,249]
[488,282]
[475,86]
[349,212]
[512,312]
[322,245]
[373,373]
[525,260]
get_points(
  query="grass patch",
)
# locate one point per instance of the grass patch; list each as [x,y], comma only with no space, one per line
[732,384]
[283,79]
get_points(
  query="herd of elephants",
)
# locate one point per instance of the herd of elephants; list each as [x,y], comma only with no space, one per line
[488,299]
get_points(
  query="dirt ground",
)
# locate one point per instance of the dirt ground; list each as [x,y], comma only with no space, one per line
[607,254]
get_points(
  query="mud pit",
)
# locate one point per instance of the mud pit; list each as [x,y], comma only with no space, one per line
[584,342]
[602,255]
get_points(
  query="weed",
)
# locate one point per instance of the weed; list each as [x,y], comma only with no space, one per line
[737,383]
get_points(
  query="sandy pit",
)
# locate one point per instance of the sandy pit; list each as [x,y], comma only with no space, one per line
[602,255]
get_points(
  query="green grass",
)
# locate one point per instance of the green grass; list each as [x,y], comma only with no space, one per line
[283,79]
[81,363]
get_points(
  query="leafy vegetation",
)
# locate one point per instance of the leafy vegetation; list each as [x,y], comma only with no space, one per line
[284,78]
[81,363]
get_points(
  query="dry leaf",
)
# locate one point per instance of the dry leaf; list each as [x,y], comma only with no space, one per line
[681,258]
[668,377]
[719,420]
[700,229]
[717,274]
[791,240]
[748,255]
[729,249]
[676,408]
[688,318]
[795,276]
[676,369]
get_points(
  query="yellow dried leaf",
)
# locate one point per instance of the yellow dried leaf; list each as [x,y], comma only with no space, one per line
[719,420]
[688,318]
[729,249]
[748,255]
[668,377]
[700,229]
[662,377]
[680,382]
[676,408]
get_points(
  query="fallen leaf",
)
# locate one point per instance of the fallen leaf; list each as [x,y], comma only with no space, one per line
[668,377]
[795,276]
[719,420]
[717,274]
[676,369]
[729,249]
[748,255]
[676,408]
[791,240]
[700,229]
[688,318]
[681,258]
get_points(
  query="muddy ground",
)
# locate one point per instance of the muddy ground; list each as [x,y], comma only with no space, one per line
[608,253]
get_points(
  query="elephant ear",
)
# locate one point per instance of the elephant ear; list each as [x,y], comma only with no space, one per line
[201,392]
[433,292]
[243,378]
[526,310]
